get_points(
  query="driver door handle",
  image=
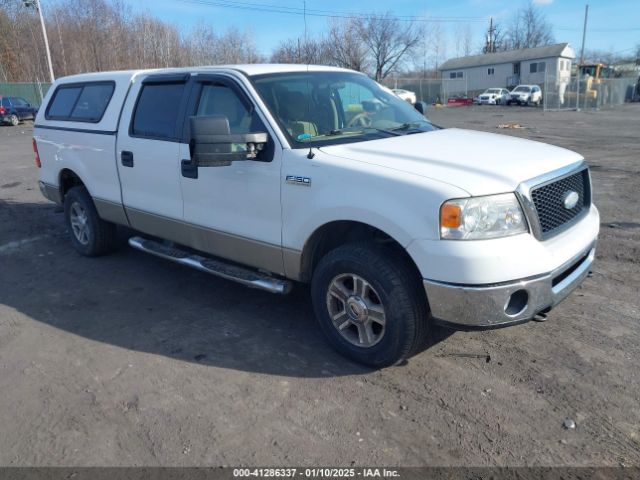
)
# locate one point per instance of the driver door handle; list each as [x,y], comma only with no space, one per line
[126,158]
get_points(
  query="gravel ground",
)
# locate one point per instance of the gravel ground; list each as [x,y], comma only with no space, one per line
[131,360]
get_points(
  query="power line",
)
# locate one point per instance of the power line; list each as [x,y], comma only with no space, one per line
[270,8]
[576,29]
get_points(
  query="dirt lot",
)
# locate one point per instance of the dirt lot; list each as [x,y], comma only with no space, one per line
[131,360]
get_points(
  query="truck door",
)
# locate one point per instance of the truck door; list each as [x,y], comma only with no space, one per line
[234,211]
[148,153]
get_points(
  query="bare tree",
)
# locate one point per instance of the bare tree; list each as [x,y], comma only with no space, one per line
[311,51]
[438,45]
[92,35]
[529,28]
[344,45]
[495,39]
[388,41]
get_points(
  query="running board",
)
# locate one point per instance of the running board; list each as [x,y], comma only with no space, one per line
[245,276]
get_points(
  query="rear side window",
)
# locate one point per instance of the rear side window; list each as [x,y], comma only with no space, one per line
[4,101]
[157,111]
[80,102]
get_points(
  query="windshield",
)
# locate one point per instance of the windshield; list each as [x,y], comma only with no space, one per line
[522,89]
[326,108]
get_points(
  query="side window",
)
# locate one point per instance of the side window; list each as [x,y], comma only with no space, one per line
[222,100]
[92,102]
[19,102]
[219,99]
[156,112]
[80,102]
[62,103]
[5,102]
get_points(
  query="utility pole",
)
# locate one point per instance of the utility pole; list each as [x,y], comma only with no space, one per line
[491,49]
[36,4]
[584,33]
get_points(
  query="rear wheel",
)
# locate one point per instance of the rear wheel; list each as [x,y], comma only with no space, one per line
[90,235]
[370,304]
[14,120]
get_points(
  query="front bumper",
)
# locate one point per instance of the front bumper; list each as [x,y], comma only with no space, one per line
[487,101]
[507,303]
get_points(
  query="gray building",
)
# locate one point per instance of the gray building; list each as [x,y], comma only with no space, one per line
[508,69]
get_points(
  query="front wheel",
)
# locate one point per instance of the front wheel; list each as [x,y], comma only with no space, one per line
[90,235]
[370,304]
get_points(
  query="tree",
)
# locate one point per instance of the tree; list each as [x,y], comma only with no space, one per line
[94,35]
[388,41]
[311,51]
[529,28]
[463,40]
[495,39]
[344,45]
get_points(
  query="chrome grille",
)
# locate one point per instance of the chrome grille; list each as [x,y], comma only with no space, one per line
[549,199]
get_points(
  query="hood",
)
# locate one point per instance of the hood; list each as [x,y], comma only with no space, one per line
[477,162]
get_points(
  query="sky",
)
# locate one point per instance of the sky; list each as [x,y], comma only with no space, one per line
[613,25]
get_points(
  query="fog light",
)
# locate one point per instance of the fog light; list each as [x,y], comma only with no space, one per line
[517,303]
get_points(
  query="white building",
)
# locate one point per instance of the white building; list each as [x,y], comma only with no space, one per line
[508,69]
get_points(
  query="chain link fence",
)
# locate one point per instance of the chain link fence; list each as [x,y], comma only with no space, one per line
[33,92]
[586,92]
[427,90]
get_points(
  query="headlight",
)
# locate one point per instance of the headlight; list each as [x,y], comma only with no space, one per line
[477,218]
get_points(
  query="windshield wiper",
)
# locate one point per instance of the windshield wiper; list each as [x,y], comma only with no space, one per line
[362,130]
[406,126]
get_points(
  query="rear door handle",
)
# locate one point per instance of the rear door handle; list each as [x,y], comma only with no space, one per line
[126,158]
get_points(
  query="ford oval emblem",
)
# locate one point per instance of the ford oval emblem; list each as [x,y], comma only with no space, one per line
[570,199]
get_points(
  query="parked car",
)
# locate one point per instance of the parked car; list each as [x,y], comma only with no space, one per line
[526,95]
[395,223]
[13,110]
[406,95]
[494,96]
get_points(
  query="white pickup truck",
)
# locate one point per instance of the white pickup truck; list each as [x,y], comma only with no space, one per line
[275,174]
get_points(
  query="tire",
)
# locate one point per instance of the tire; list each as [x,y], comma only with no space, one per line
[14,121]
[390,286]
[90,235]
[509,102]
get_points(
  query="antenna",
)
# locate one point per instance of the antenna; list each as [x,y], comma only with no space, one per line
[304,16]
[310,155]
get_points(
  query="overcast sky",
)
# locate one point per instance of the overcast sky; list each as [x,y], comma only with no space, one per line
[614,25]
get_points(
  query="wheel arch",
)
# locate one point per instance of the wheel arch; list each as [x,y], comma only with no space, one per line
[333,234]
[67,179]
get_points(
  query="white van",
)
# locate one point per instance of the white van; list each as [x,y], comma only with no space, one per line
[275,174]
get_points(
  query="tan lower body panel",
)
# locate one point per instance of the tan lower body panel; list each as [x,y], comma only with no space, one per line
[231,247]
[292,260]
[50,192]
[111,211]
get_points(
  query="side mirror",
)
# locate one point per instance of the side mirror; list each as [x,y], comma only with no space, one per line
[212,144]
[421,107]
